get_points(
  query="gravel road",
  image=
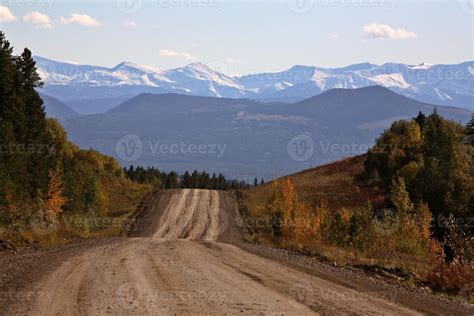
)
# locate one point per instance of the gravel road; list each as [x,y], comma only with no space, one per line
[186,256]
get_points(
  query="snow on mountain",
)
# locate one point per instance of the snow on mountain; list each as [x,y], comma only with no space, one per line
[437,84]
[194,78]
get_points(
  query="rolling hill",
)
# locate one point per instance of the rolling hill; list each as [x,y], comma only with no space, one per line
[244,138]
[56,109]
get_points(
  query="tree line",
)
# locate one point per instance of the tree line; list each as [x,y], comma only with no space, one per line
[172,180]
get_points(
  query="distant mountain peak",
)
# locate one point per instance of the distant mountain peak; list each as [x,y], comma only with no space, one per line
[73,81]
[302,67]
[357,67]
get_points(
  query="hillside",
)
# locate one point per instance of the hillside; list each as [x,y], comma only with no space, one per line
[334,183]
[390,208]
[56,109]
[244,138]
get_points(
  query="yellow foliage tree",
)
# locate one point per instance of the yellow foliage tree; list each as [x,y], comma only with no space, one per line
[55,199]
[424,219]
[289,206]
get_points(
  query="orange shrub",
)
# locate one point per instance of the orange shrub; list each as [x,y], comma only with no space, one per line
[453,278]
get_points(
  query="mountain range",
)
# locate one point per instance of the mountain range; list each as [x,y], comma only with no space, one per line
[244,138]
[94,89]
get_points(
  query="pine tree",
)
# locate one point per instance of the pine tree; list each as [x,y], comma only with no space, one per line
[470,129]
[470,125]
[421,119]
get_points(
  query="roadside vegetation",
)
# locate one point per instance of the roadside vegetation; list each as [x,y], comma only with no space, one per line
[50,190]
[406,206]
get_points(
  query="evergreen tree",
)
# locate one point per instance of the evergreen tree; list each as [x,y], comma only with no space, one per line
[470,125]
[420,120]
[470,130]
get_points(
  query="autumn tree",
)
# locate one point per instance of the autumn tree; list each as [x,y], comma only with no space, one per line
[55,198]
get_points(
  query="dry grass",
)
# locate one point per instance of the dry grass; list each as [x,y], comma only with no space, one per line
[334,183]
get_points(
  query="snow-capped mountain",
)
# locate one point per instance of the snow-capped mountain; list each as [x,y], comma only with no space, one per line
[196,79]
[436,84]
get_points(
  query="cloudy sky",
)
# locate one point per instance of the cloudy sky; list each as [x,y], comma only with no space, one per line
[242,36]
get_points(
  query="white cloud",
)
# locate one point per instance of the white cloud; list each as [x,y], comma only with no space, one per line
[230,60]
[168,53]
[38,18]
[172,53]
[130,24]
[6,15]
[334,36]
[188,56]
[387,32]
[80,19]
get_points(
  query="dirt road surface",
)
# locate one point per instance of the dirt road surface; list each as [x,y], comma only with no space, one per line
[184,258]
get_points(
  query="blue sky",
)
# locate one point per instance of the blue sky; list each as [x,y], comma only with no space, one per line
[242,36]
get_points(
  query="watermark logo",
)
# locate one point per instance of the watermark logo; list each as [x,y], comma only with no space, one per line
[300,293]
[41,227]
[300,147]
[386,222]
[223,219]
[467,290]
[128,295]
[129,6]
[187,148]
[467,6]
[129,148]
[301,6]
[28,3]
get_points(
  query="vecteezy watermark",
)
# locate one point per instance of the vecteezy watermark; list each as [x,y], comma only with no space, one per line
[130,295]
[25,296]
[300,147]
[386,221]
[346,149]
[133,6]
[129,6]
[301,6]
[27,3]
[305,6]
[467,6]
[40,149]
[187,148]
[300,293]
[41,227]
[129,148]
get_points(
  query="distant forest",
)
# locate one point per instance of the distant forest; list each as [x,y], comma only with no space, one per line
[194,180]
